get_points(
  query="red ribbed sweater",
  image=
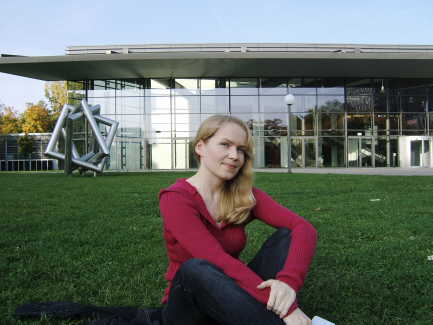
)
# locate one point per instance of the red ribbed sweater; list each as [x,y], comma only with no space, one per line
[191,232]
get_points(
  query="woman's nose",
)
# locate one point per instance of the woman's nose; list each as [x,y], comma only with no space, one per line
[233,153]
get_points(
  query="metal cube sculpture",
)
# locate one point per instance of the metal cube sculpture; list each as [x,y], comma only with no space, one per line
[94,160]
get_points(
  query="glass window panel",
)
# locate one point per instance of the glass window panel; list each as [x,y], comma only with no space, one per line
[339,91]
[101,93]
[330,103]
[187,104]
[304,104]
[215,92]
[272,152]
[302,124]
[244,104]
[414,87]
[413,122]
[272,104]
[187,125]
[130,87]
[130,105]
[161,155]
[331,152]
[210,84]
[273,83]
[366,153]
[359,103]
[331,123]
[157,92]
[296,152]
[163,83]
[394,153]
[273,91]
[380,124]
[359,123]
[430,103]
[157,105]
[312,91]
[273,86]
[244,83]
[379,101]
[273,124]
[244,86]
[413,103]
[130,92]
[380,152]
[360,86]
[394,123]
[108,104]
[310,152]
[102,88]
[206,84]
[130,126]
[186,83]
[215,104]
[186,87]
[159,126]
[431,123]
[393,104]
[250,118]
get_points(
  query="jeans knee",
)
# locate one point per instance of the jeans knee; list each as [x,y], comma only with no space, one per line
[283,232]
[194,266]
[282,235]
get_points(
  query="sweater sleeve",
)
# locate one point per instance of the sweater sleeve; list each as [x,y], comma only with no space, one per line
[303,237]
[182,219]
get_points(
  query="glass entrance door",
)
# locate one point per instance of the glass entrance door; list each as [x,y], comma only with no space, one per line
[359,152]
[420,153]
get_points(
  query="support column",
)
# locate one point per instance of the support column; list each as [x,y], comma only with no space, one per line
[68,147]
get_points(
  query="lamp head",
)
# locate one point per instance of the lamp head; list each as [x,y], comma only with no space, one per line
[289,99]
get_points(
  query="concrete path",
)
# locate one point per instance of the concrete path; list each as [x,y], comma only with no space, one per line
[356,171]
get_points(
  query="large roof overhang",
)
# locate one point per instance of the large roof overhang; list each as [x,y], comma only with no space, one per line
[387,64]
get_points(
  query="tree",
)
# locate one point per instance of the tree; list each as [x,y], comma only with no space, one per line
[10,121]
[57,94]
[36,118]
[26,145]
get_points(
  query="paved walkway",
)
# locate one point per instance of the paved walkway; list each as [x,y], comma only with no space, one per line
[356,171]
[348,171]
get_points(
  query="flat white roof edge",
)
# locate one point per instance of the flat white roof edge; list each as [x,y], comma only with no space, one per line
[247,47]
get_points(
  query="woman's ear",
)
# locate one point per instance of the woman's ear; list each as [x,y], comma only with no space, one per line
[199,147]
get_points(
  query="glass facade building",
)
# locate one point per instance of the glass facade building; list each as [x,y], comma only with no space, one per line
[335,122]
[356,105]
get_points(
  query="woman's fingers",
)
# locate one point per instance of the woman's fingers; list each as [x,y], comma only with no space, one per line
[271,301]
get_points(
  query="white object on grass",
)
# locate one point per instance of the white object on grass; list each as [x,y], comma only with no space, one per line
[320,321]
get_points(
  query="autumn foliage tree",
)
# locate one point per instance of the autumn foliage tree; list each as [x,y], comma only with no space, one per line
[57,94]
[10,121]
[36,118]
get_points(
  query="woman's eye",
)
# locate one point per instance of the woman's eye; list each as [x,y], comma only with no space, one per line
[224,144]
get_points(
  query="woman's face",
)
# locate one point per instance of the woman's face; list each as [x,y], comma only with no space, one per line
[224,153]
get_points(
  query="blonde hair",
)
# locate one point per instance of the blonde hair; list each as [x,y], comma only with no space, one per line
[236,197]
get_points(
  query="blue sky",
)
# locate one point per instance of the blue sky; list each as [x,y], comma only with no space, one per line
[47,27]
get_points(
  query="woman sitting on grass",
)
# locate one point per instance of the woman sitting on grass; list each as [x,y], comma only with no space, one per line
[204,219]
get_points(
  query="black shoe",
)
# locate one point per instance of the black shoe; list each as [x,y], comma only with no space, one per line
[58,309]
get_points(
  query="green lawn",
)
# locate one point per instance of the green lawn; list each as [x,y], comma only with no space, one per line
[98,240]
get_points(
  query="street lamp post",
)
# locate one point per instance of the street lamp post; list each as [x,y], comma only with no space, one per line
[289,99]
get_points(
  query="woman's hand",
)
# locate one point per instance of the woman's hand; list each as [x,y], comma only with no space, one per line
[281,297]
[297,317]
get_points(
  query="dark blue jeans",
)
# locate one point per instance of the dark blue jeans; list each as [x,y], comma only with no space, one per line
[201,294]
